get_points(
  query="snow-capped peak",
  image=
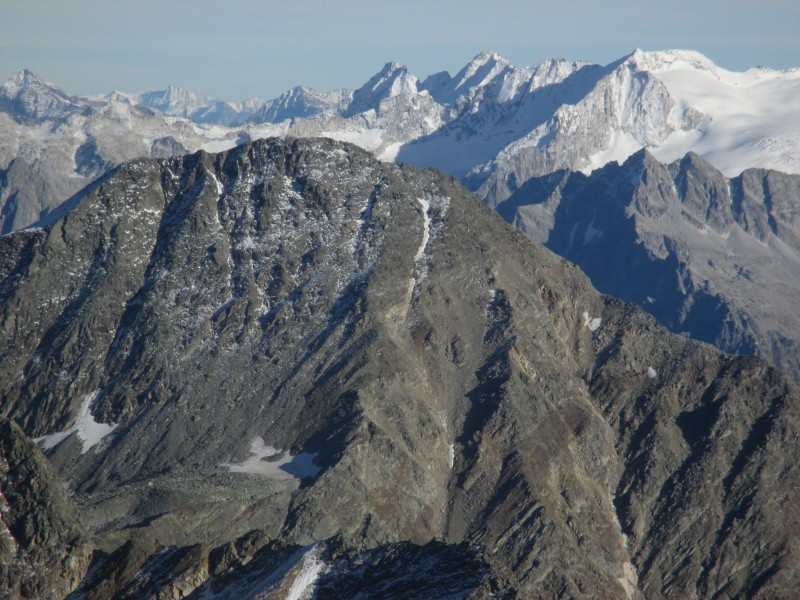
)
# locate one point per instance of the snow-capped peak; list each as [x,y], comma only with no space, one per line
[27,81]
[174,100]
[392,80]
[27,96]
[299,102]
[481,70]
[670,60]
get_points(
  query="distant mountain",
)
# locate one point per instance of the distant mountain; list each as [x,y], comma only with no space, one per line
[493,125]
[291,368]
[715,258]
[28,98]
[177,102]
[300,103]
[671,103]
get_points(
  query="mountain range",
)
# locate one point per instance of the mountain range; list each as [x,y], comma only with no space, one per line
[493,125]
[279,368]
[290,370]
[501,129]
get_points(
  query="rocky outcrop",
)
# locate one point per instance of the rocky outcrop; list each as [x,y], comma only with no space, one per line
[341,353]
[44,550]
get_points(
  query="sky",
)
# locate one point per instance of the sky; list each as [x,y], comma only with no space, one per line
[237,49]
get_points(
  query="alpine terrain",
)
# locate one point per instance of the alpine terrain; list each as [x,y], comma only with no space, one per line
[714,257]
[289,370]
[493,125]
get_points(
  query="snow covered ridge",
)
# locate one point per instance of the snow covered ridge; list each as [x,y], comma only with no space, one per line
[493,124]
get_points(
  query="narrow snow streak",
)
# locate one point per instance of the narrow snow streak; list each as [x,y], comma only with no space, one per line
[629,580]
[220,189]
[426,228]
[304,582]
[426,233]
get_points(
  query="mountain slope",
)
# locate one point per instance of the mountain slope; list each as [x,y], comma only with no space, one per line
[44,550]
[715,258]
[294,337]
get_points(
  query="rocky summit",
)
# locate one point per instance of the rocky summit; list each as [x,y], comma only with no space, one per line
[290,370]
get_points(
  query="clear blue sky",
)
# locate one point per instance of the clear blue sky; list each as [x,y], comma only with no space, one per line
[235,49]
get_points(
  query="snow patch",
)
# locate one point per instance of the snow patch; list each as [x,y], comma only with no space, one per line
[652,373]
[452,454]
[620,146]
[214,146]
[89,432]
[593,323]
[591,234]
[390,152]
[752,116]
[275,464]
[629,579]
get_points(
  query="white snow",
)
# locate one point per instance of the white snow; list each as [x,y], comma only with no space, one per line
[426,227]
[426,232]
[629,579]
[303,584]
[389,153]
[620,146]
[220,189]
[652,373]
[218,145]
[282,466]
[369,139]
[753,117]
[452,454]
[89,432]
[593,323]
[48,442]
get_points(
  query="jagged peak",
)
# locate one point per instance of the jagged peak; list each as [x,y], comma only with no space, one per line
[486,56]
[487,61]
[391,72]
[392,80]
[391,67]
[642,159]
[27,79]
[174,93]
[693,161]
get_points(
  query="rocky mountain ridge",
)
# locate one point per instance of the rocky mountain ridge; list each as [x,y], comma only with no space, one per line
[714,258]
[289,366]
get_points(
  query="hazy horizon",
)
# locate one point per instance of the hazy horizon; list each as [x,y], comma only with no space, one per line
[239,49]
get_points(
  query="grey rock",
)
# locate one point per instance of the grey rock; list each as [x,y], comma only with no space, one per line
[451,379]
[714,258]
[44,550]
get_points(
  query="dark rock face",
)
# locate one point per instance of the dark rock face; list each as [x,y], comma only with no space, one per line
[713,258]
[44,551]
[357,358]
